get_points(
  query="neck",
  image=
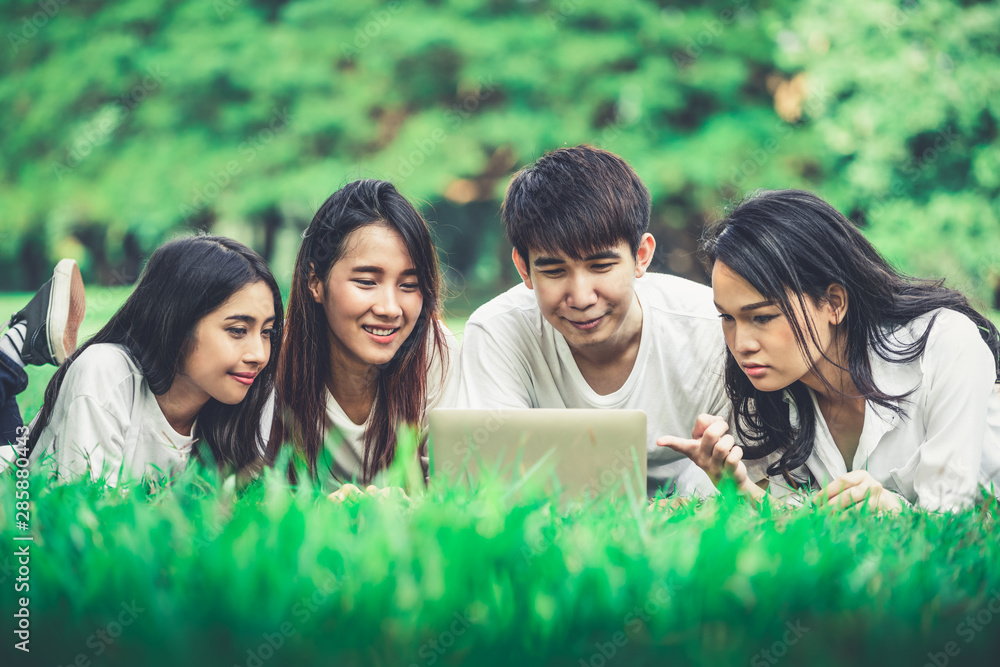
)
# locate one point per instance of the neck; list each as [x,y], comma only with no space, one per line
[181,404]
[622,344]
[350,381]
[838,386]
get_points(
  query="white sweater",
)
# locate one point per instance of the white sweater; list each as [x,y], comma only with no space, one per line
[106,423]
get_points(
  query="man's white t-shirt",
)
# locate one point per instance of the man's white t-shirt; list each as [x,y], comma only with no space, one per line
[947,444]
[107,424]
[513,358]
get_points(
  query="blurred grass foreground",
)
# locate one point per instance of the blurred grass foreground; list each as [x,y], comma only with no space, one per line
[199,574]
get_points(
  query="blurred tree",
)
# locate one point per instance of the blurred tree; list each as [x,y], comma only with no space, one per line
[136,120]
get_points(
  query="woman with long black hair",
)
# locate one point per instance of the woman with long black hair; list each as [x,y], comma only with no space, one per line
[184,359]
[845,376]
[365,352]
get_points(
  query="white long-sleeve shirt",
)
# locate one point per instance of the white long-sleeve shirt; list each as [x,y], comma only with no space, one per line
[947,444]
[107,424]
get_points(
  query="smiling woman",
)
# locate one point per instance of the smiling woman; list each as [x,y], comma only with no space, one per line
[184,359]
[364,352]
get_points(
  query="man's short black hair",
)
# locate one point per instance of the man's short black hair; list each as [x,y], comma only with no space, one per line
[575,202]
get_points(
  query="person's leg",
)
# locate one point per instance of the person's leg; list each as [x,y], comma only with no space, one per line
[13,380]
[43,332]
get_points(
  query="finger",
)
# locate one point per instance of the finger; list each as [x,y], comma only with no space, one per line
[703,421]
[856,477]
[371,489]
[740,474]
[722,448]
[686,447]
[850,497]
[711,436]
[344,492]
[838,486]
[735,456]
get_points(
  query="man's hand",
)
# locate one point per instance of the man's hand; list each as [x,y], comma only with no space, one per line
[859,487]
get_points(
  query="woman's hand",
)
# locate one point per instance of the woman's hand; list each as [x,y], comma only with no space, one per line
[714,451]
[351,491]
[859,487]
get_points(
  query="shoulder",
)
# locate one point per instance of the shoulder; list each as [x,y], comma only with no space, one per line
[450,340]
[515,308]
[676,296]
[450,350]
[949,328]
[100,369]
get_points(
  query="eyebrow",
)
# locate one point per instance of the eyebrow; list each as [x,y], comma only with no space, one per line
[379,270]
[249,319]
[749,306]
[544,261]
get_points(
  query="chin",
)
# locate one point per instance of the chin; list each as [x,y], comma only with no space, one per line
[768,385]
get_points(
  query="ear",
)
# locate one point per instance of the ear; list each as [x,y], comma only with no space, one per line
[836,299]
[522,268]
[647,244]
[315,285]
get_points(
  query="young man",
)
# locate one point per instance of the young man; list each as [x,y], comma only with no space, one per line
[590,328]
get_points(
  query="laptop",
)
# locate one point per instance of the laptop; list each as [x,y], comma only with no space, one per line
[581,453]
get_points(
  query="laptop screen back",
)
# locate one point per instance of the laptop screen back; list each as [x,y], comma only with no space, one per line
[590,452]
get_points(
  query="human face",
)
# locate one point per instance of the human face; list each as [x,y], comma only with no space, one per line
[590,301]
[762,340]
[371,296]
[232,344]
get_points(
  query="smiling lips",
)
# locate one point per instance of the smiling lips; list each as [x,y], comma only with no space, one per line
[588,324]
[244,378]
[381,335]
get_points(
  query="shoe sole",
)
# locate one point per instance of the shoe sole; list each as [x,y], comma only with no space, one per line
[67,306]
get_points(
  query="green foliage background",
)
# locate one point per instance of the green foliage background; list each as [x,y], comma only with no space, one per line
[129,122]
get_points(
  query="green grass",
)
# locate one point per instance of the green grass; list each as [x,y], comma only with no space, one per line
[451,578]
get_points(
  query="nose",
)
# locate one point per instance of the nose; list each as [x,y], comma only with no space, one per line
[744,342]
[387,304]
[257,351]
[581,294]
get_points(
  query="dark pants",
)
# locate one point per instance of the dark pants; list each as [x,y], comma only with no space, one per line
[13,381]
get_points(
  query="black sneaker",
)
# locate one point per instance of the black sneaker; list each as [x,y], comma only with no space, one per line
[53,317]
